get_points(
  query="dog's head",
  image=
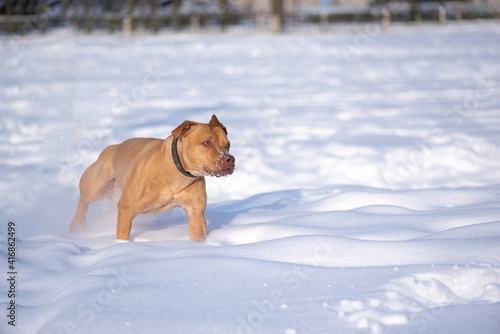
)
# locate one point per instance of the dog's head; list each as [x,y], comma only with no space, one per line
[204,148]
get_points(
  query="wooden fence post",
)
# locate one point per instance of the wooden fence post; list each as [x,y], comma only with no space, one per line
[458,11]
[442,15]
[127,26]
[276,16]
[195,24]
[260,20]
[386,19]
[323,21]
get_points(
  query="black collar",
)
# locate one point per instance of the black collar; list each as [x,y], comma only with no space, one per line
[177,162]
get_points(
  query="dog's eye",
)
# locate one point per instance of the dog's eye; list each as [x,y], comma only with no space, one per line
[207,143]
[228,146]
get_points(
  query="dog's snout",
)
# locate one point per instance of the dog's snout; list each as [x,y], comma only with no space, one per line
[228,164]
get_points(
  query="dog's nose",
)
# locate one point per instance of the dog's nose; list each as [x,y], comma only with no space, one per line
[230,159]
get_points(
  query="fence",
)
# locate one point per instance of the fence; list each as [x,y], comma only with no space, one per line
[148,19]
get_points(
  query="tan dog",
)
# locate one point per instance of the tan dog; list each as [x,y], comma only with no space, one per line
[157,175]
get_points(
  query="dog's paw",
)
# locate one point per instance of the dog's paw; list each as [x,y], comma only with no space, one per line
[77,226]
[121,241]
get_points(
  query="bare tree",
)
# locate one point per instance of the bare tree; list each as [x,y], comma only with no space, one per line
[154,18]
[415,12]
[176,5]
[8,8]
[223,7]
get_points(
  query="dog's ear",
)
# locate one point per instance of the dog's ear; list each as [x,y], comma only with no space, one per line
[181,129]
[214,122]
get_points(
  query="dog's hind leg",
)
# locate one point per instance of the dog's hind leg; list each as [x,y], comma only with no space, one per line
[97,183]
[78,222]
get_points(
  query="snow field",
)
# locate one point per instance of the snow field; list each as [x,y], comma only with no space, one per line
[365,199]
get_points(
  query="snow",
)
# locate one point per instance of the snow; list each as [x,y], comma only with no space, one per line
[365,197]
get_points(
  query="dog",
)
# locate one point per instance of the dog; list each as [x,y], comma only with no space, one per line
[156,175]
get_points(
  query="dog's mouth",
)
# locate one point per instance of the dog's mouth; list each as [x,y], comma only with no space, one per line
[224,167]
[223,172]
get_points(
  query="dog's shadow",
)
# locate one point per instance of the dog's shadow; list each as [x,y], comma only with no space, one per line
[173,225]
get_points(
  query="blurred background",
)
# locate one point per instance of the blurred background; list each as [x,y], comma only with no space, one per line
[140,16]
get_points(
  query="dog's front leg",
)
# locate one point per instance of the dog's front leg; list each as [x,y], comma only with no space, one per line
[197,224]
[125,217]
